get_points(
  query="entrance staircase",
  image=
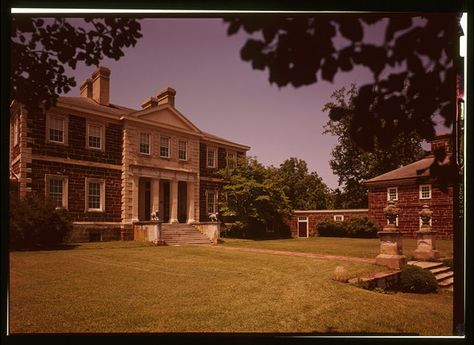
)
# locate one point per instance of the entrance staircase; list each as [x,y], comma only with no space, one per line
[182,234]
[443,274]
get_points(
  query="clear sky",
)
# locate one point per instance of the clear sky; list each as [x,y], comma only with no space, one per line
[222,94]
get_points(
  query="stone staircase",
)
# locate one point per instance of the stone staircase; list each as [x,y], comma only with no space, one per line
[443,274]
[182,234]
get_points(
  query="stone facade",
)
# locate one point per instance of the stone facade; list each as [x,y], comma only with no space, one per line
[112,166]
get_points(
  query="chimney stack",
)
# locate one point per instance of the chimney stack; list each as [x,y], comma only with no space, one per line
[441,141]
[149,103]
[86,88]
[166,96]
[101,85]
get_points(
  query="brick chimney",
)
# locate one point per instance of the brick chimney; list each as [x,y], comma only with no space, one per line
[101,85]
[149,103]
[166,96]
[86,88]
[443,140]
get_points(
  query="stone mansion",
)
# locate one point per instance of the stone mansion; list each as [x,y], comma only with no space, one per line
[112,166]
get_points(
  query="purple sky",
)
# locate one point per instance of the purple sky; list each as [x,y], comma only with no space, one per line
[222,94]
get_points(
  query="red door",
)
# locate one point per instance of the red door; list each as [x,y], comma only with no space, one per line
[302,229]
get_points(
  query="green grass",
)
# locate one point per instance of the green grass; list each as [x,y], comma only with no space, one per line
[133,287]
[358,247]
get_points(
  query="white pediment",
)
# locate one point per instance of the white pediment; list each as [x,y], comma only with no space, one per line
[169,117]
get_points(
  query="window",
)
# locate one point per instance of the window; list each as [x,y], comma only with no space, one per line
[425,191]
[56,128]
[392,193]
[16,130]
[338,217]
[211,202]
[95,195]
[165,147]
[182,150]
[421,222]
[302,218]
[56,190]
[145,139]
[231,159]
[95,136]
[211,157]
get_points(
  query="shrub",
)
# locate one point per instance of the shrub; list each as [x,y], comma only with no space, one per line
[233,230]
[361,227]
[358,227]
[35,222]
[416,279]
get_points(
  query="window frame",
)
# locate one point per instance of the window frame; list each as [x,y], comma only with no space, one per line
[101,182]
[101,135]
[65,184]
[16,130]
[233,159]
[338,215]
[49,119]
[421,191]
[388,193]
[168,147]
[180,141]
[214,192]
[140,143]
[214,157]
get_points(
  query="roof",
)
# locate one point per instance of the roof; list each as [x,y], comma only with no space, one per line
[405,172]
[90,104]
[212,137]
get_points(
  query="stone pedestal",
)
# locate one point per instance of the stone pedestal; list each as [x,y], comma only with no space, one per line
[391,250]
[426,245]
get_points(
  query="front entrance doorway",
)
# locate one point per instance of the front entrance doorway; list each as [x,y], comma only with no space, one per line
[144,199]
[182,202]
[164,201]
[302,226]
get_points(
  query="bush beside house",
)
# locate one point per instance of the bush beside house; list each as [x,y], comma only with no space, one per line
[357,227]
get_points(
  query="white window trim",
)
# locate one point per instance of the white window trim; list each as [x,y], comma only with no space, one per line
[48,178]
[65,128]
[234,158]
[215,200]
[102,195]
[396,193]
[102,135]
[16,130]
[185,150]
[338,215]
[169,146]
[420,189]
[149,143]
[215,157]
[421,222]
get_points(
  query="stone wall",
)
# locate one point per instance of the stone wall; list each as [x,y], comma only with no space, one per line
[316,216]
[410,204]
[95,232]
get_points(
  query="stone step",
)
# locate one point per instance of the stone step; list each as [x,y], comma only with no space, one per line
[425,264]
[440,269]
[447,283]
[441,276]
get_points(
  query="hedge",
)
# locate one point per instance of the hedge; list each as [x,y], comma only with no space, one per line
[356,227]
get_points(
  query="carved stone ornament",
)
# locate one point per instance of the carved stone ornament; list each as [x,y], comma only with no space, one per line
[425,215]
[391,212]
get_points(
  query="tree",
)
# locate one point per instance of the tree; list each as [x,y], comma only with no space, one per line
[305,191]
[413,67]
[40,48]
[253,197]
[354,165]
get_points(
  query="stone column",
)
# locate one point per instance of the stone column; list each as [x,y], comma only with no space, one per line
[174,201]
[190,201]
[425,237]
[155,195]
[391,248]
[135,201]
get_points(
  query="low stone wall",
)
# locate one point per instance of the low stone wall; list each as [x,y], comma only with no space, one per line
[145,231]
[95,232]
[388,280]
[210,229]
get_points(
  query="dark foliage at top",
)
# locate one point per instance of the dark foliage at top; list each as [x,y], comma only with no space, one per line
[413,66]
[40,48]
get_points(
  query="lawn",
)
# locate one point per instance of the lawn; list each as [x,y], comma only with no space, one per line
[134,287]
[359,247]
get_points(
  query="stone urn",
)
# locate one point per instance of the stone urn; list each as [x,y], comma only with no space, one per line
[426,237]
[391,248]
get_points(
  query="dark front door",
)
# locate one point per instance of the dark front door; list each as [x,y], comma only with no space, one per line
[182,197]
[166,202]
[302,229]
[144,192]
